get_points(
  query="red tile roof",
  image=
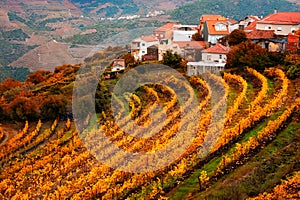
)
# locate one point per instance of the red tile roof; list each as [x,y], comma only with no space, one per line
[251,26]
[210,17]
[166,27]
[218,48]
[231,21]
[119,62]
[291,18]
[261,34]
[195,44]
[211,27]
[149,38]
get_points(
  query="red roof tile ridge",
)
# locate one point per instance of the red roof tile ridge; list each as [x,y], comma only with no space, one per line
[149,38]
[260,34]
[218,48]
[167,26]
[206,17]
[282,18]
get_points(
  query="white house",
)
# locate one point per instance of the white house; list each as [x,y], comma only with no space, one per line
[248,24]
[165,31]
[184,32]
[213,60]
[216,53]
[215,28]
[118,65]
[198,68]
[282,23]
[139,46]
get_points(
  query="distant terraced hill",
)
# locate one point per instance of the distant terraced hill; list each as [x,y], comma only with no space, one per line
[27,25]
[236,9]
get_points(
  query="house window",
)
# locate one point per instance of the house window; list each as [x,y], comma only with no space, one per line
[208,57]
[143,51]
[143,44]
[220,27]
[268,27]
[220,56]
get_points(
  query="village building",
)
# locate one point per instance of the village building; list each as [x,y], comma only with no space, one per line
[214,27]
[274,32]
[167,45]
[139,46]
[152,53]
[184,32]
[164,32]
[282,23]
[248,24]
[205,18]
[190,50]
[213,60]
[118,65]
[264,38]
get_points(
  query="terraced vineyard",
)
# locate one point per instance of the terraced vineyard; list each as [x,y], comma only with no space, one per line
[254,142]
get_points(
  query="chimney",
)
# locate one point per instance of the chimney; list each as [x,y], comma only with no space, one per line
[275,11]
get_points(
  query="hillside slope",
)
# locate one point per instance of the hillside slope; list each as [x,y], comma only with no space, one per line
[115,8]
[235,9]
[25,25]
[52,54]
[53,154]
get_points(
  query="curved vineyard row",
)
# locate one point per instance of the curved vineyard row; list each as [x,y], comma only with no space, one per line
[267,133]
[258,112]
[243,84]
[288,189]
[55,164]
[277,99]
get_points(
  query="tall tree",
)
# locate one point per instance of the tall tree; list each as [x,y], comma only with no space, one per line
[38,76]
[236,37]
[248,54]
[54,106]
[129,59]
[172,59]
[23,108]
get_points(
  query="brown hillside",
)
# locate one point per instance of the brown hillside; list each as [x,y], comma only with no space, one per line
[52,54]
[51,7]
